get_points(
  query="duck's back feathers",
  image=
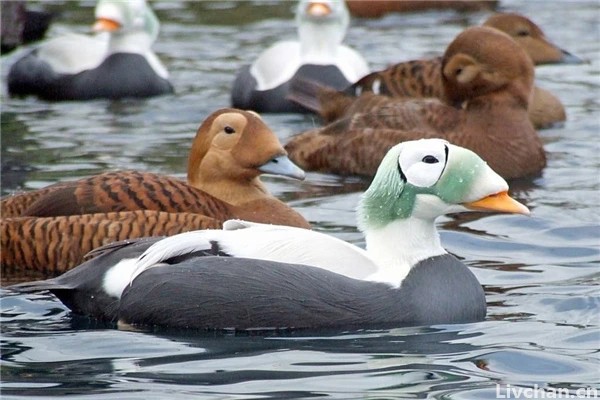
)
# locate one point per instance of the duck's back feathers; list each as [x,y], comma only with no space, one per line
[32,76]
[417,78]
[220,293]
[546,109]
[15,205]
[347,152]
[122,191]
[246,95]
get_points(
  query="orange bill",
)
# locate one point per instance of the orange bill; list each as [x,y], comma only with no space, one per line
[501,202]
[106,25]
[318,9]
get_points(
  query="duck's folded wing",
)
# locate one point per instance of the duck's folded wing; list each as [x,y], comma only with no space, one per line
[241,293]
[266,242]
[416,78]
[15,205]
[126,191]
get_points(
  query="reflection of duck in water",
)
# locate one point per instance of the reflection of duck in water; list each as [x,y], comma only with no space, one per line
[318,54]
[269,276]
[79,67]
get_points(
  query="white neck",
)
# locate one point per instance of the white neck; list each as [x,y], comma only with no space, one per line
[399,246]
[137,43]
[130,42]
[319,45]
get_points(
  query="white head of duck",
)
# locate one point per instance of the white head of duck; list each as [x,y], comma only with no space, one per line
[322,26]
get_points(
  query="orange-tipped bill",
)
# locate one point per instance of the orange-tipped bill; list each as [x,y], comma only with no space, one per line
[318,9]
[501,202]
[106,25]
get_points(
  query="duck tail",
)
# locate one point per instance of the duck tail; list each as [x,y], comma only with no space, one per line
[37,286]
[317,97]
[305,92]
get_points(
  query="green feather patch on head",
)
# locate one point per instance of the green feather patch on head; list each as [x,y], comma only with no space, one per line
[389,197]
[464,166]
[392,196]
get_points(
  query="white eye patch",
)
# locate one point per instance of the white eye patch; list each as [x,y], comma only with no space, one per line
[423,161]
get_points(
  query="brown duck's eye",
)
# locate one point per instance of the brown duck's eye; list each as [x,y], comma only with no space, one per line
[458,71]
[229,130]
[523,33]
[430,160]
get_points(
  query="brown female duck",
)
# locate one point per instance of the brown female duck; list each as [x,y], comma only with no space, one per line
[422,78]
[232,148]
[484,72]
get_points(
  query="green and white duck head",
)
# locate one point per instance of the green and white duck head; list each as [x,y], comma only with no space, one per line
[416,182]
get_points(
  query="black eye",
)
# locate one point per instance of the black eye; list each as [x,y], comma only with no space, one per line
[430,160]
[229,130]
[523,33]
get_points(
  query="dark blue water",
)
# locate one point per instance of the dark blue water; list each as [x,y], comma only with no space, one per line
[541,273]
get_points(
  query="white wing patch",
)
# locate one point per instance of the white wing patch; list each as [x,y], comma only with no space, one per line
[266,242]
[119,276]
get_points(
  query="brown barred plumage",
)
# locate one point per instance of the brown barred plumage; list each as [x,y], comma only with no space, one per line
[118,191]
[15,204]
[53,245]
[417,78]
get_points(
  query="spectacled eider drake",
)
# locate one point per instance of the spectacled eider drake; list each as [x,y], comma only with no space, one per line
[318,55]
[117,63]
[266,276]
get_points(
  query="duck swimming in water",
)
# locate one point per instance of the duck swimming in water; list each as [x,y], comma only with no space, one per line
[264,276]
[318,54]
[423,78]
[487,79]
[118,63]
[51,229]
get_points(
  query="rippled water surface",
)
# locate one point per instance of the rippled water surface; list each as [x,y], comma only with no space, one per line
[541,273]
